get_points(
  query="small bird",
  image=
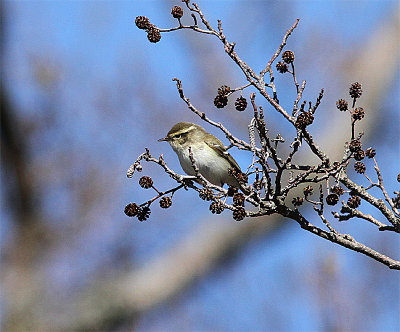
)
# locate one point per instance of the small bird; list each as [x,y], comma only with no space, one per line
[210,155]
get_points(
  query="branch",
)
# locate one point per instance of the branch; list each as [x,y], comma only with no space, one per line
[341,239]
[377,203]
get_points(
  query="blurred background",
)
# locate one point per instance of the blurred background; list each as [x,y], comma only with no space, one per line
[83,93]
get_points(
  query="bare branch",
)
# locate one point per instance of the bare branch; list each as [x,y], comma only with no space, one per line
[272,185]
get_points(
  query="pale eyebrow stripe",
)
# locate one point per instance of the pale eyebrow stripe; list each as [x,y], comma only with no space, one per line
[184,131]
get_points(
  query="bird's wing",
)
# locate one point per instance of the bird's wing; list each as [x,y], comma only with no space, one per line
[220,149]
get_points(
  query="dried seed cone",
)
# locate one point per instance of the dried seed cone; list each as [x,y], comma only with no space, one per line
[142,22]
[304,119]
[220,101]
[332,199]
[206,194]
[144,213]
[232,191]
[358,113]
[239,213]
[338,190]
[370,153]
[241,104]
[342,105]
[354,201]
[146,182]
[217,207]
[177,12]
[238,199]
[309,118]
[297,201]
[359,155]
[281,67]
[241,177]
[355,90]
[224,90]
[165,202]
[308,190]
[153,34]
[355,145]
[132,209]
[288,56]
[360,167]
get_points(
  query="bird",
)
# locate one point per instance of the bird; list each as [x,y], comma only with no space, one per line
[209,154]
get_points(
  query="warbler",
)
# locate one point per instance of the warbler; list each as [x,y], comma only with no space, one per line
[209,154]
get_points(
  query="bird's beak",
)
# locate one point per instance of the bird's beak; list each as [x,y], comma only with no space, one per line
[163,139]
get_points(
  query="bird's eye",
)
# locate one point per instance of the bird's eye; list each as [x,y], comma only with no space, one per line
[178,136]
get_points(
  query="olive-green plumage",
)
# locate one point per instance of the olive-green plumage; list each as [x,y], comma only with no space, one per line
[210,155]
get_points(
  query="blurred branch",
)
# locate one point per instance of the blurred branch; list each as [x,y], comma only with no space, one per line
[14,159]
[31,236]
[167,275]
[21,284]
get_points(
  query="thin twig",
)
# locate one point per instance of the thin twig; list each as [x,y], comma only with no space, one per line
[382,187]
[279,50]
[299,95]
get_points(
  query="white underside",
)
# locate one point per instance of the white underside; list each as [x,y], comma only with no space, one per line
[212,166]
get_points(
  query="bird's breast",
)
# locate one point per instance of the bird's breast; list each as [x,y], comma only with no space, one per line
[212,166]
